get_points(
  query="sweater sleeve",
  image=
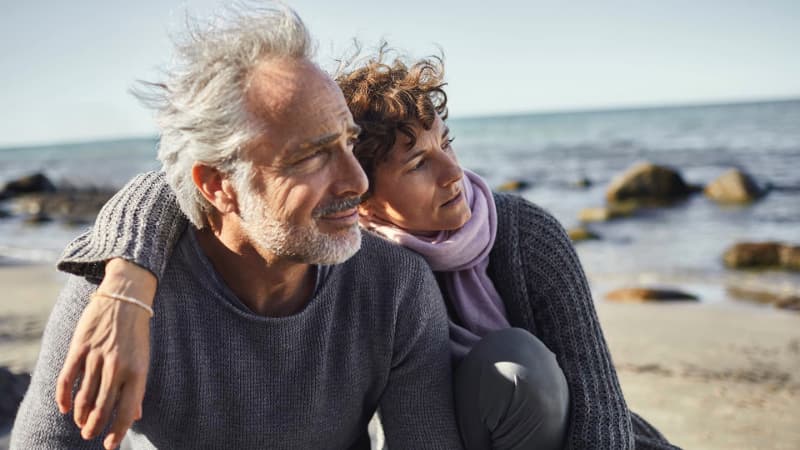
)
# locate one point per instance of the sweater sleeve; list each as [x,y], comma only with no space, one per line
[566,321]
[141,224]
[39,424]
[416,408]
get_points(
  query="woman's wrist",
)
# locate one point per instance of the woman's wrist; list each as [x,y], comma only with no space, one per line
[126,278]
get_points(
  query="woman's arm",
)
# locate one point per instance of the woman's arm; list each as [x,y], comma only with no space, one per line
[127,248]
[566,321]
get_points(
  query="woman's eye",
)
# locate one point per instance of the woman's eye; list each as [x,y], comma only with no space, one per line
[448,143]
[352,141]
[419,164]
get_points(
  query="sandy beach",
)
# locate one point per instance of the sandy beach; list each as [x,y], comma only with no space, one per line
[708,376]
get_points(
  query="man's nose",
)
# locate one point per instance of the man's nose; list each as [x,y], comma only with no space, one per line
[351,181]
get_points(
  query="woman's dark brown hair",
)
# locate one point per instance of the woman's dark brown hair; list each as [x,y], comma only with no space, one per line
[390,97]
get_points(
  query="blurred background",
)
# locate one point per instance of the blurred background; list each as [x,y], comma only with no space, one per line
[664,135]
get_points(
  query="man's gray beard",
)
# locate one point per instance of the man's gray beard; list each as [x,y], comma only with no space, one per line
[305,244]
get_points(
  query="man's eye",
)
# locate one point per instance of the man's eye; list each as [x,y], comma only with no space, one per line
[353,140]
[419,164]
[311,156]
[448,143]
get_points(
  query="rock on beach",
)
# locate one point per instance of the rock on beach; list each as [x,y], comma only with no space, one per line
[643,295]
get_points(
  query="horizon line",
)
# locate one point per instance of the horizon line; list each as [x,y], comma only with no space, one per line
[478,116]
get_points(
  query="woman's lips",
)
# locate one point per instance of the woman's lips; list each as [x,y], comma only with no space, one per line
[453,201]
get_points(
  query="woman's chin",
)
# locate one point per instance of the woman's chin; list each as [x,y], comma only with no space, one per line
[456,222]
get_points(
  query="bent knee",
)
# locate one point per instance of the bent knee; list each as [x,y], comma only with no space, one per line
[515,363]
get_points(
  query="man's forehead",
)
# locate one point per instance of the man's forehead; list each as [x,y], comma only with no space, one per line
[280,85]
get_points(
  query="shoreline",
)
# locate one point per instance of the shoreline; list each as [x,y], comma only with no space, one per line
[708,375]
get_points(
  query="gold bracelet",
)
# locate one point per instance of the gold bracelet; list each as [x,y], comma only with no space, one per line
[126,299]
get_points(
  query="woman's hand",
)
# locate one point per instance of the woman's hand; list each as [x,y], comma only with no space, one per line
[111,349]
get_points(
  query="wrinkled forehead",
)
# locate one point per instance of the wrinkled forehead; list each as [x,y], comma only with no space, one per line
[293,102]
[280,87]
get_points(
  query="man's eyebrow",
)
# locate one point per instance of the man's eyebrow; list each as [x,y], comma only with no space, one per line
[320,141]
[329,138]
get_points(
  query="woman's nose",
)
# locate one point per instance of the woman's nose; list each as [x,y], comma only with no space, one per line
[450,171]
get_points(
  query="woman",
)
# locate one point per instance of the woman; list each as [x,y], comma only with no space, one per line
[532,366]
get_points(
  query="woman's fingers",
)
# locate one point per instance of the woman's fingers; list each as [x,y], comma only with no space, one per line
[85,398]
[73,366]
[128,411]
[106,400]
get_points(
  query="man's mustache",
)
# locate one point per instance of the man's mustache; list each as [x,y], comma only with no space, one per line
[336,206]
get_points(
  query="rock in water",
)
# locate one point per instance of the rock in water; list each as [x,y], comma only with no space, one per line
[32,183]
[734,186]
[604,213]
[12,389]
[648,182]
[642,295]
[581,234]
[513,186]
[789,256]
[752,255]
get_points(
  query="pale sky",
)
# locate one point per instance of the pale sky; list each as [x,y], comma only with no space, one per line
[65,67]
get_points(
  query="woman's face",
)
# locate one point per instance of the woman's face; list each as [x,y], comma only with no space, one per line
[420,189]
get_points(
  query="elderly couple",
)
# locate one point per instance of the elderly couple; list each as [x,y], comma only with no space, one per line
[240,305]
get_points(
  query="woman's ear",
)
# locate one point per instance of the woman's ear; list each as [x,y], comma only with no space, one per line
[215,187]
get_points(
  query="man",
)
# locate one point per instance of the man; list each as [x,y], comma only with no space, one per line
[271,328]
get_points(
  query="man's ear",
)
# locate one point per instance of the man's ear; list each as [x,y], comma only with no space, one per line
[215,187]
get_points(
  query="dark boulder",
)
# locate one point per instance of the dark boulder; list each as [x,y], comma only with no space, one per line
[37,182]
[648,182]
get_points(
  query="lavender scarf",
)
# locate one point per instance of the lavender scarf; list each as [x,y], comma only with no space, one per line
[463,256]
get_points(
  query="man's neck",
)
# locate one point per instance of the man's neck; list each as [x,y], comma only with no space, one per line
[268,286]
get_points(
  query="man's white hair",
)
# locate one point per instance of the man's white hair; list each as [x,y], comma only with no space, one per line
[200,107]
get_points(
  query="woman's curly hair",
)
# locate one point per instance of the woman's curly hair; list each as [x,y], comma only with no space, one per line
[390,97]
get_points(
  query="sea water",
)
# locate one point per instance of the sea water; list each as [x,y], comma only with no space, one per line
[679,246]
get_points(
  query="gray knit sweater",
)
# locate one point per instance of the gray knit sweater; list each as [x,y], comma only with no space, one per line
[532,264]
[373,336]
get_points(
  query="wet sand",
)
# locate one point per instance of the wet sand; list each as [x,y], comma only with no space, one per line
[708,376]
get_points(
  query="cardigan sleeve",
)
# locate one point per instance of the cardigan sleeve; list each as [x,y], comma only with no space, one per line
[566,321]
[141,224]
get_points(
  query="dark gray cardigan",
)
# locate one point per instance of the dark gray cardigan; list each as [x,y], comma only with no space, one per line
[533,265]
[537,273]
